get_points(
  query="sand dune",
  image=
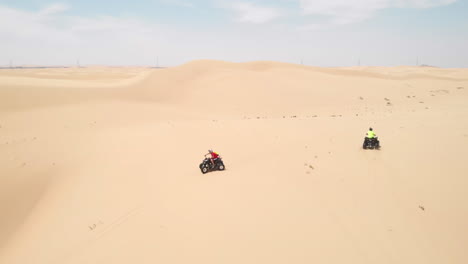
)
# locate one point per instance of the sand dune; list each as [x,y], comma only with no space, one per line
[100,165]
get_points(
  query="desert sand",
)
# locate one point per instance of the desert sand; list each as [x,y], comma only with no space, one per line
[100,165]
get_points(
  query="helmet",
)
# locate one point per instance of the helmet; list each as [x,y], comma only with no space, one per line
[370,128]
[210,150]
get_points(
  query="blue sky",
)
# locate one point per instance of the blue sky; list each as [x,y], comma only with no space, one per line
[316,32]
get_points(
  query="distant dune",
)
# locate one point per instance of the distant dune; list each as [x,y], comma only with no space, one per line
[100,164]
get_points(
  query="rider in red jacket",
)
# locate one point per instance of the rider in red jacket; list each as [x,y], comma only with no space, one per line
[214,156]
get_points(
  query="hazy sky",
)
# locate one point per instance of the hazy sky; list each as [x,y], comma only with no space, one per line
[318,32]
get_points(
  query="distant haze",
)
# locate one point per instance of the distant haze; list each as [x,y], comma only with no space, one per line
[172,32]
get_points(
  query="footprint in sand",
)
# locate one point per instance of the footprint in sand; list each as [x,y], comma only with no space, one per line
[389,103]
[459,88]
[440,91]
[95,225]
[422,208]
[309,166]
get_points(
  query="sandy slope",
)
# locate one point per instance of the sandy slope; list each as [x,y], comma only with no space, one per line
[100,165]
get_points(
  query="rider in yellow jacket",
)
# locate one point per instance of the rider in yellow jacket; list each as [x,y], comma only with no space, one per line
[371,133]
